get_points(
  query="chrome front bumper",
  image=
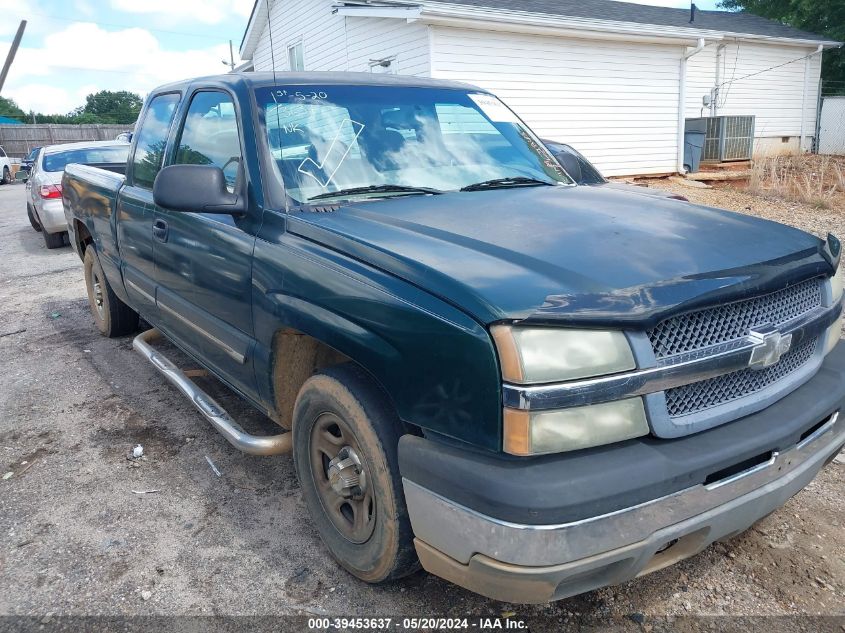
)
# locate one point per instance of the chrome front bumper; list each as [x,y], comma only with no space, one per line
[539,563]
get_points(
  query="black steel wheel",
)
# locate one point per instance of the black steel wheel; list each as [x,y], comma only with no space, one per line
[345,436]
[112,317]
[342,478]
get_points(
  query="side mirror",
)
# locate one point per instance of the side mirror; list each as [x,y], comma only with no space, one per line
[571,164]
[197,188]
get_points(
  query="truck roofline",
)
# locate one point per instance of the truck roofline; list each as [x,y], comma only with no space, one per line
[270,78]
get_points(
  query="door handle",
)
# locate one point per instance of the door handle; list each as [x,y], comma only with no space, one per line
[160,230]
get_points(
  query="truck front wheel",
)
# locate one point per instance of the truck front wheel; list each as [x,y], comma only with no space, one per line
[111,316]
[345,436]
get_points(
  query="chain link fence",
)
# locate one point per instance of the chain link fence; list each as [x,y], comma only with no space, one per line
[830,120]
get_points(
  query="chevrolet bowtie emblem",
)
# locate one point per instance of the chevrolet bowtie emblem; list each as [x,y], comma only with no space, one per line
[769,346]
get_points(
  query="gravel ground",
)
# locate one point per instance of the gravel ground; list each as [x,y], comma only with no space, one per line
[803,216]
[76,540]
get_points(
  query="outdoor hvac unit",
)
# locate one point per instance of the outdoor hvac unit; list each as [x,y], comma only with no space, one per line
[727,138]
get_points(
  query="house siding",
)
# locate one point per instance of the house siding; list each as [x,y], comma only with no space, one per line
[379,38]
[334,42]
[616,102]
[773,94]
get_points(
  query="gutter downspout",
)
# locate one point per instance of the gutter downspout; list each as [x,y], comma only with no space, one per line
[804,96]
[714,94]
[682,97]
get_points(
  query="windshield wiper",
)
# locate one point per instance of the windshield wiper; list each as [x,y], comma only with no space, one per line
[375,189]
[512,181]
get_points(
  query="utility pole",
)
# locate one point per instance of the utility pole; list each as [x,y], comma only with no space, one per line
[231,62]
[12,52]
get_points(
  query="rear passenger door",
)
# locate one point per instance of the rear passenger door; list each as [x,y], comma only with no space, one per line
[203,261]
[135,206]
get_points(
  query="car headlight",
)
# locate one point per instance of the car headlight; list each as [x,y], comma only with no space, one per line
[559,430]
[531,355]
[834,333]
[837,282]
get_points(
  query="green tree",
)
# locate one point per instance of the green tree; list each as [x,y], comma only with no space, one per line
[9,108]
[825,17]
[107,106]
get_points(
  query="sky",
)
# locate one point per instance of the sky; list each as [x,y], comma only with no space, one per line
[72,48]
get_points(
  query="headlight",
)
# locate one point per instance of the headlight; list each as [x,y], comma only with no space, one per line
[836,283]
[834,333]
[556,431]
[532,355]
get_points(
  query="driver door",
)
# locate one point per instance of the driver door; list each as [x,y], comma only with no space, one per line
[203,261]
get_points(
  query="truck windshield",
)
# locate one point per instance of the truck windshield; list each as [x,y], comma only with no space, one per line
[377,141]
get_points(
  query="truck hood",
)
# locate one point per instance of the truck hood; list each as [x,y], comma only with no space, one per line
[584,255]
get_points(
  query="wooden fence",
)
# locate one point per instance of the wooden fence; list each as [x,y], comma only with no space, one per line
[18,140]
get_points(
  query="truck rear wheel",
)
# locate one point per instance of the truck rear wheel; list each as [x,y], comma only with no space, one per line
[345,436]
[111,316]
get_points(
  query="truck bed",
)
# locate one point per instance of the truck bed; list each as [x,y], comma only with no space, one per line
[89,196]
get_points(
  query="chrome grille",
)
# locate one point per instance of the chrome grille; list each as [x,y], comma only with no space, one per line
[713,392]
[720,324]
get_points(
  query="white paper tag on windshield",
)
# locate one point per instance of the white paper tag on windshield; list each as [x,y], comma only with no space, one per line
[497,111]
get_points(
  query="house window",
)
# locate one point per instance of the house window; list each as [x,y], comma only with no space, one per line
[296,58]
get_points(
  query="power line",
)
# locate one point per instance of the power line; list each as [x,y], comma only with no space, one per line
[58,18]
[104,70]
[765,70]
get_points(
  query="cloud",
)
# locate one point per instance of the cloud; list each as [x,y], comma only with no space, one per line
[12,12]
[42,97]
[49,78]
[206,11]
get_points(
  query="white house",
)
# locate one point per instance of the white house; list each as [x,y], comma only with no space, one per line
[613,79]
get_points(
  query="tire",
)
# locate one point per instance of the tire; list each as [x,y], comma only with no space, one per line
[7,176]
[32,219]
[111,316]
[53,240]
[342,402]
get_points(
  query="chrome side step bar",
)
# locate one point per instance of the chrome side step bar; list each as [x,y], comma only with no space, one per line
[213,412]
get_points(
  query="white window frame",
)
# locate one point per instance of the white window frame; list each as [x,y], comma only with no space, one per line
[291,48]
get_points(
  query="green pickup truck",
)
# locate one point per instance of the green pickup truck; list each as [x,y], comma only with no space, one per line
[530,388]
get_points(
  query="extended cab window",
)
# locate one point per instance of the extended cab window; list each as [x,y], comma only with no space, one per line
[152,139]
[210,135]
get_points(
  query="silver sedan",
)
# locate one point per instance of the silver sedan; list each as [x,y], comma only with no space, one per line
[44,186]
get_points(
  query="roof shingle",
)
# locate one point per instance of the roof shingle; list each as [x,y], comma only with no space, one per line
[725,21]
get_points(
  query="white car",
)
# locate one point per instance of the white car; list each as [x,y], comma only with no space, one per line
[5,168]
[44,186]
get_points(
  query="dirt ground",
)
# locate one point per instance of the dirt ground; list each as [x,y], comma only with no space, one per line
[76,540]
